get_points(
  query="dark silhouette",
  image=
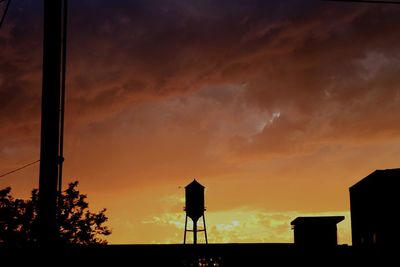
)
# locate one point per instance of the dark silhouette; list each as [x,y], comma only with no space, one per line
[194,197]
[77,225]
[320,232]
[316,231]
[374,204]
[52,118]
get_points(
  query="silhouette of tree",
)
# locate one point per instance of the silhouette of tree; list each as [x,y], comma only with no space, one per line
[77,225]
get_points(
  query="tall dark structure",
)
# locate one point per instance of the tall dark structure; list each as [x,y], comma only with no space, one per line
[51,140]
[50,121]
[194,207]
[374,205]
[316,231]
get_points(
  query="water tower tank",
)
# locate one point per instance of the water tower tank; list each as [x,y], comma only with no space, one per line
[194,206]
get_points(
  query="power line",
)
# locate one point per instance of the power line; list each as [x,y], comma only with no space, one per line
[62,99]
[20,168]
[365,1]
[5,12]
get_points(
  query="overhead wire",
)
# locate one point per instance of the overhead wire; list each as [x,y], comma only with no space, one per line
[366,1]
[62,100]
[20,168]
[5,11]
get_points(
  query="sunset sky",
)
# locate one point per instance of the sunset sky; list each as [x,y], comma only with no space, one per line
[276,107]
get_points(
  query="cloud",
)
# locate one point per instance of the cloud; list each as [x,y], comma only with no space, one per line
[307,62]
[20,65]
[127,53]
[323,67]
[213,75]
[327,84]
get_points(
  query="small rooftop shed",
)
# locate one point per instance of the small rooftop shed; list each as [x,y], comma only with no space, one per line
[316,231]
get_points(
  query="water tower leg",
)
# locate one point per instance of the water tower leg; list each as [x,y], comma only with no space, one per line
[184,234]
[195,232]
[205,230]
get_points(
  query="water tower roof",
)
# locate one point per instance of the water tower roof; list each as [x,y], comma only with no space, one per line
[194,184]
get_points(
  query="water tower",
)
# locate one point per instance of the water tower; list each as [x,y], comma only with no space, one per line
[194,207]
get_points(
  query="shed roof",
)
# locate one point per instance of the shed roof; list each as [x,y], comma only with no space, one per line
[317,220]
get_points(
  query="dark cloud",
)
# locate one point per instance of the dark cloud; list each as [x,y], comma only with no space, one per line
[20,63]
[329,82]
[313,63]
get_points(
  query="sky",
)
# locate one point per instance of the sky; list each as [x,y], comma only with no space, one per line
[276,107]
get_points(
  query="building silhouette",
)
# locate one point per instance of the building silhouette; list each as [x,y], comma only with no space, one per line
[374,205]
[316,231]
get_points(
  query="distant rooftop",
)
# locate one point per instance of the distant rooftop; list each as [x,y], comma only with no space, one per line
[317,219]
[378,175]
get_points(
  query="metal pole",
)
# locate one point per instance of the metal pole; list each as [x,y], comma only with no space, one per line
[49,146]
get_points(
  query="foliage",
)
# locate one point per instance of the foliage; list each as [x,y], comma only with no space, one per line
[77,225]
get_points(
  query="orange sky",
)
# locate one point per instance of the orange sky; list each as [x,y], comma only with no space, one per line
[276,107]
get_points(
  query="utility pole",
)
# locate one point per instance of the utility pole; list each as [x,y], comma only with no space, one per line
[50,123]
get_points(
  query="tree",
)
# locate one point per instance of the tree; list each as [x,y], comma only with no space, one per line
[77,225]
